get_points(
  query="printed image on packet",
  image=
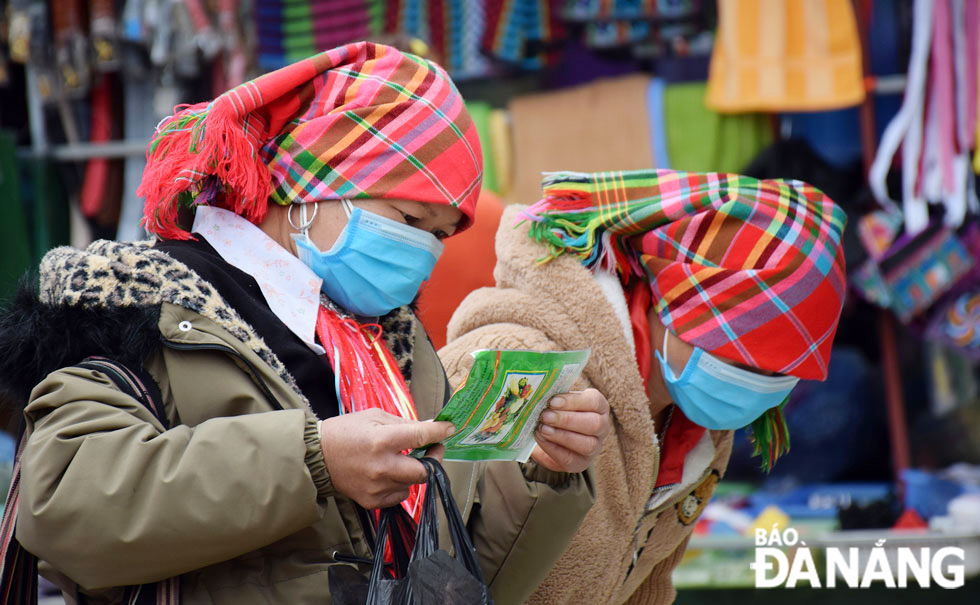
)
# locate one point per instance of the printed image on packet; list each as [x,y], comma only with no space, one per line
[496,409]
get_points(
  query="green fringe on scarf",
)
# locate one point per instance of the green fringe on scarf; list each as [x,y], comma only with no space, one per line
[769,436]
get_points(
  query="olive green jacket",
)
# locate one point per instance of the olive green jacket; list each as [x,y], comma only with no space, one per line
[236,498]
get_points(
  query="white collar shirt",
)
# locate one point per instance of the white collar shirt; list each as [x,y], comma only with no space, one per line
[290,287]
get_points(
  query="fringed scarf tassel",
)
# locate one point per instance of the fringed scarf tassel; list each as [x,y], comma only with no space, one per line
[203,154]
[367,376]
[769,435]
[567,221]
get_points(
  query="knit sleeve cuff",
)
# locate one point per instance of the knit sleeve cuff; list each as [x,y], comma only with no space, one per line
[315,462]
[535,472]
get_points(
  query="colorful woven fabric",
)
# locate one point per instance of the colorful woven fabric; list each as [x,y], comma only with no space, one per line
[749,270]
[291,30]
[521,31]
[962,321]
[359,121]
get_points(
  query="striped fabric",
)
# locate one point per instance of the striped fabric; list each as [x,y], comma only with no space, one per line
[522,31]
[749,270]
[359,121]
[795,55]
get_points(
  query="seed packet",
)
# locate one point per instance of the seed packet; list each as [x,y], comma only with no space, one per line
[496,409]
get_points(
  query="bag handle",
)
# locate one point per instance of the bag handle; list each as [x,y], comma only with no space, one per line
[427,536]
[18,566]
[462,544]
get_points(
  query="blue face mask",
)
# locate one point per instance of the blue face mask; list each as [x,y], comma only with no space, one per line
[717,395]
[375,265]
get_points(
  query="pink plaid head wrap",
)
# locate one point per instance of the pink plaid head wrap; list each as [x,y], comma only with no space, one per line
[359,121]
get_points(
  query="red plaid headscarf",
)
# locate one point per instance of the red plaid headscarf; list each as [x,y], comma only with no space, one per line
[359,121]
[749,270]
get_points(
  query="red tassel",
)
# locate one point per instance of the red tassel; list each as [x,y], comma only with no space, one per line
[567,200]
[198,143]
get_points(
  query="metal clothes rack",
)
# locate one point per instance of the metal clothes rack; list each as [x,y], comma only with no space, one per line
[887,326]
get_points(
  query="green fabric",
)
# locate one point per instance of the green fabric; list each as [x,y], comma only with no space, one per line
[700,140]
[480,112]
[15,254]
[49,207]
[376,16]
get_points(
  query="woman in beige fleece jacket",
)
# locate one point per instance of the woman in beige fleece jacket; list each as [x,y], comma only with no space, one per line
[620,258]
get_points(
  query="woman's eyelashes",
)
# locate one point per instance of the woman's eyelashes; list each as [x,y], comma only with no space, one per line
[413,221]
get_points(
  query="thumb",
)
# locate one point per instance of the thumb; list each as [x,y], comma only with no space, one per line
[413,434]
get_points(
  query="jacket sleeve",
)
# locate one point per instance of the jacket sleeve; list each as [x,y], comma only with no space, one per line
[110,498]
[524,516]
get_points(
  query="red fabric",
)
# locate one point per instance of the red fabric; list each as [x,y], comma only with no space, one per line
[679,439]
[466,264]
[910,520]
[97,169]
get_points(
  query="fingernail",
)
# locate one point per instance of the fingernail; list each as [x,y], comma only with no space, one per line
[549,417]
[450,430]
[547,430]
[557,402]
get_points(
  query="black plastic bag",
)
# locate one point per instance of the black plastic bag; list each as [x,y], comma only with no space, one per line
[433,576]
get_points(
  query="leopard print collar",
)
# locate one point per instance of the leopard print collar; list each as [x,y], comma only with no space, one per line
[116,274]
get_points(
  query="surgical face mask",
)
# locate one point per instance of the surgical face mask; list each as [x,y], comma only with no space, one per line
[375,265]
[717,395]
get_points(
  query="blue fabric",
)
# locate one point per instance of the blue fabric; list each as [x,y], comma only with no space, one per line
[658,126]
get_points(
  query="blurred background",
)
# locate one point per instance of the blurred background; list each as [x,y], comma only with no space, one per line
[874,102]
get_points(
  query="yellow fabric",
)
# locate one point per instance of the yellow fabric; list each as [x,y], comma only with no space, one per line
[785,55]
[500,150]
[976,152]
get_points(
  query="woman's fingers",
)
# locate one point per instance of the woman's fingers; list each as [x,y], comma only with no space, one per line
[558,458]
[582,444]
[571,430]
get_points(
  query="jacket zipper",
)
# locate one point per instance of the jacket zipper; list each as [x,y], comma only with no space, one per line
[637,547]
[230,351]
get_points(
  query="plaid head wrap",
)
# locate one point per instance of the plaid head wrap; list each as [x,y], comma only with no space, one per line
[749,270]
[359,121]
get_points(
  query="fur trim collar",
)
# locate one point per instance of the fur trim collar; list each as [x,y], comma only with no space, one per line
[119,275]
[106,300]
[37,338]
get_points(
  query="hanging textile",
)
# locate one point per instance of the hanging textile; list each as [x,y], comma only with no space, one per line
[785,56]
[522,32]
[931,126]
[550,132]
[291,31]
[480,112]
[699,139]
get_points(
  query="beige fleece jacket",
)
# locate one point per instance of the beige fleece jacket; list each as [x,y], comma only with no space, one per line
[625,548]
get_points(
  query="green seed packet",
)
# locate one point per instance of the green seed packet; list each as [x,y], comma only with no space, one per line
[496,409]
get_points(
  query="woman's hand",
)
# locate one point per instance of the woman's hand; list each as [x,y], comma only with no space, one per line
[571,430]
[363,452]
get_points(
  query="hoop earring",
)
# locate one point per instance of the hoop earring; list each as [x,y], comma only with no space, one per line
[304,225]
